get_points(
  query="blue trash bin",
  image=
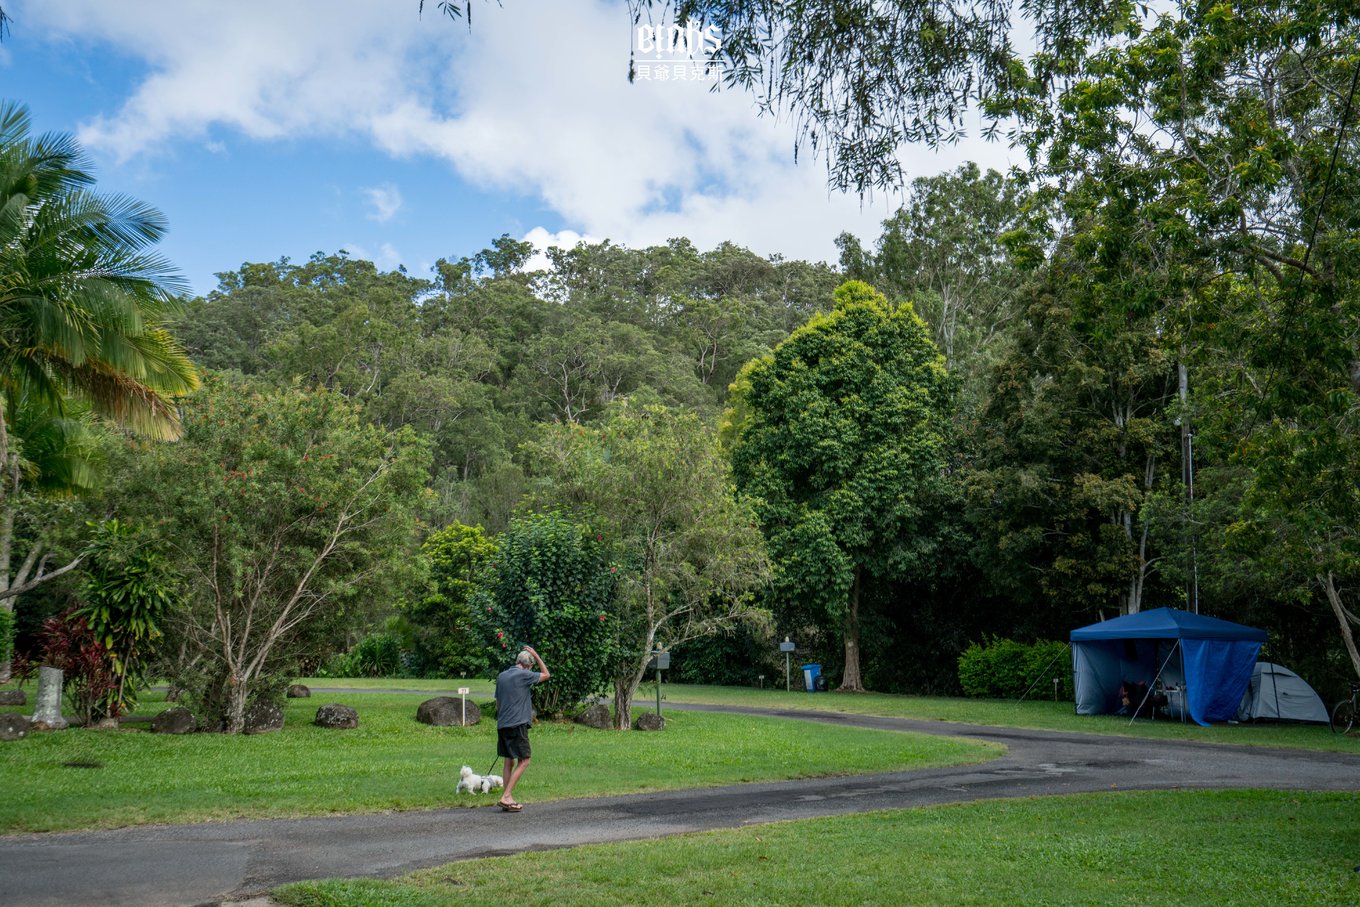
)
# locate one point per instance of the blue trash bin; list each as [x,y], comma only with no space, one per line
[810,675]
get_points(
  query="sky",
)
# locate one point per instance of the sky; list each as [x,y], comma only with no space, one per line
[289,127]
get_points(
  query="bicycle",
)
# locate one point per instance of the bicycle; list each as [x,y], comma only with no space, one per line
[1343,714]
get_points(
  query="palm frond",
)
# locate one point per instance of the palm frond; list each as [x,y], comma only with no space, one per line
[83,298]
[129,402]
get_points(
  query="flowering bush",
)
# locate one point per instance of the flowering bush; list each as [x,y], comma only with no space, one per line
[550,587]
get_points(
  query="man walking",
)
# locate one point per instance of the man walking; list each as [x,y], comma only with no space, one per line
[514,714]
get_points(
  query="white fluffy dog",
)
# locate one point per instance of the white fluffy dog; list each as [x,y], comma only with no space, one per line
[473,783]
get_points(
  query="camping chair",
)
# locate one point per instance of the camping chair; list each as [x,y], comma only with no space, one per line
[1135,700]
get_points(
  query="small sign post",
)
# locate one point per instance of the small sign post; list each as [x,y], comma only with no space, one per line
[787,647]
[463,691]
[662,662]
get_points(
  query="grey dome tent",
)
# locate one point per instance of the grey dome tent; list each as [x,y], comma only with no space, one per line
[1278,694]
[1205,662]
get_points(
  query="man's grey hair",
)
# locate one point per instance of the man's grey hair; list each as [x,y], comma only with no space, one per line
[525,659]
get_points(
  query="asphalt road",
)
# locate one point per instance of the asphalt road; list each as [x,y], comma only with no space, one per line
[212,863]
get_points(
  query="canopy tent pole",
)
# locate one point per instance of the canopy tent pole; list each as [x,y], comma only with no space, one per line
[1185,686]
[1275,688]
[1042,672]
[1157,678]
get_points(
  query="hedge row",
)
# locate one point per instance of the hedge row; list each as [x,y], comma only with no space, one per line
[1005,669]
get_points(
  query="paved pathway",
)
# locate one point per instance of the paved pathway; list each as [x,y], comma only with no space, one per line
[210,863]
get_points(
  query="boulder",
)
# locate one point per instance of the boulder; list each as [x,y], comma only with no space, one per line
[263,717]
[596,716]
[447,711]
[649,721]
[13,697]
[337,716]
[299,691]
[13,727]
[178,720]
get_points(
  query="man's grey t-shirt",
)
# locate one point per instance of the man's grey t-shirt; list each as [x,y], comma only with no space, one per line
[514,706]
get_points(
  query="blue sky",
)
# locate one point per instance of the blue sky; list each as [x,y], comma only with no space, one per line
[283,128]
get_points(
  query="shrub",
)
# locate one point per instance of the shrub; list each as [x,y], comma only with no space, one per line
[444,639]
[1006,669]
[376,655]
[88,678]
[735,658]
[129,588]
[550,587]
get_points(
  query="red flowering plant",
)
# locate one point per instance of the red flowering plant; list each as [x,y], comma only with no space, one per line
[551,587]
[88,676]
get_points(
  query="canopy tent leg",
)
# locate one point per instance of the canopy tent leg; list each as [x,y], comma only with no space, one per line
[1044,671]
[1153,685]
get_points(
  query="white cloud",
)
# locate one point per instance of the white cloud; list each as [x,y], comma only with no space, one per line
[543,240]
[266,69]
[386,258]
[534,100]
[386,201]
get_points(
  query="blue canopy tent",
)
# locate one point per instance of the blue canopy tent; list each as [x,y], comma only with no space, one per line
[1210,676]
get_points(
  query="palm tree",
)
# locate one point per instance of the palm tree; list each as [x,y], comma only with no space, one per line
[83,305]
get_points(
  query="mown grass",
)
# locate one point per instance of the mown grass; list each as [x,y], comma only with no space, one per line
[78,778]
[1178,847]
[1033,713]
[1040,714]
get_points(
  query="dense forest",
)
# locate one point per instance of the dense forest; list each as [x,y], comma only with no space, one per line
[1123,376]
[1056,495]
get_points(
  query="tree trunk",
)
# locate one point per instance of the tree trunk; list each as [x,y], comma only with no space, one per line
[851,680]
[1342,618]
[237,692]
[623,704]
[7,665]
[6,543]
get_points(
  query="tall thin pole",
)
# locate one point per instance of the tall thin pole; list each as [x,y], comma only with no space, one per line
[1188,479]
[1194,536]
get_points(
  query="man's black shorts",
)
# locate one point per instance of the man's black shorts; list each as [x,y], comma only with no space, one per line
[513,742]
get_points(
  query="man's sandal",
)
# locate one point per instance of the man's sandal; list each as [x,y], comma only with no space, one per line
[511,807]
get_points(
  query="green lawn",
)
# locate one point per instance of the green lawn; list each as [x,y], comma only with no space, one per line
[1180,847]
[1041,714]
[1048,715]
[102,779]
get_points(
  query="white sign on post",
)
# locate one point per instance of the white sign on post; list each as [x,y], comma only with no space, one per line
[463,691]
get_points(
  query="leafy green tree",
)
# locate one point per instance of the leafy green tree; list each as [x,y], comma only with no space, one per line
[840,436]
[289,519]
[1075,439]
[947,250]
[446,637]
[1212,157]
[551,588]
[862,77]
[710,310]
[83,304]
[689,555]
